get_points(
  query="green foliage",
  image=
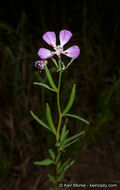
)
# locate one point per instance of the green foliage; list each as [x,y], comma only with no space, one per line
[50,79]
[55,62]
[70,63]
[44,85]
[68,141]
[68,144]
[45,162]
[77,117]
[64,167]
[40,121]
[71,99]
[52,154]
[58,156]
[73,137]
[49,119]
[64,141]
[64,133]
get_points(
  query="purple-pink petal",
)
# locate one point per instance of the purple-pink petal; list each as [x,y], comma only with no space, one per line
[44,53]
[72,52]
[64,37]
[50,38]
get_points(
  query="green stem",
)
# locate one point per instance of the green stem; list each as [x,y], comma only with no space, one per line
[58,104]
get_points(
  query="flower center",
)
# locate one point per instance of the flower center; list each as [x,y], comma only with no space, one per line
[58,50]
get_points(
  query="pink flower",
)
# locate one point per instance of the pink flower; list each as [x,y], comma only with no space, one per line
[64,37]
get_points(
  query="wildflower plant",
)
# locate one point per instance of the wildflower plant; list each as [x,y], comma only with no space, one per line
[61,131]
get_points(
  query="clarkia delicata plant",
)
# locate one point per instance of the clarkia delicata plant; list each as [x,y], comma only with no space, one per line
[61,130]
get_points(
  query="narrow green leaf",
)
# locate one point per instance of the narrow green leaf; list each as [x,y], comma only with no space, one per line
[77,117]
[70,63]
[61,170]
[69,165]
[64,133]
[49,119]
[63,68]
[58,157]
[71,99]
[71,143]
[44,85]
[55,62]
[50,79]
[73,137]
[39,121]
[45,162]
[52,154]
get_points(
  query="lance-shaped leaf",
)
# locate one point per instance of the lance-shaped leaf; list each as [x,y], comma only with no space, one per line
[52,154]
[55,62]
[50,79]
[44,85]
[41,122]
[64,165]
[73,137]
[71,99]
[68,165]
[70,62]
[49,119]
[58,156]
[77,117]
[71,143]
[45,162]
[64,133]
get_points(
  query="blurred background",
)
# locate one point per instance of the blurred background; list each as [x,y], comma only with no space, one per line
[96,30]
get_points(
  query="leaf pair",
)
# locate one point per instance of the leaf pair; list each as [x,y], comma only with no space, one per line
[63,168]
[51,126]
[64,142]
[69,105]
[40,121]
[65,67]
[67,142]
[51,82]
